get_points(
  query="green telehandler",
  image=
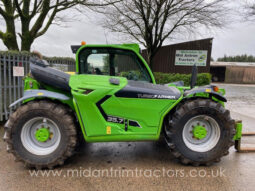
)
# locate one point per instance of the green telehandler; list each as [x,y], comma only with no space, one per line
[113,97]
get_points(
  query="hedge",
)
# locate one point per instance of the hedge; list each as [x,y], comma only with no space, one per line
[164,78]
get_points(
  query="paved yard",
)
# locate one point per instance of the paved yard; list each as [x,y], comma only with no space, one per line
[142,166]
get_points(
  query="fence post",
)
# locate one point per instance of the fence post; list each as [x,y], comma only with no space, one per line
[1,92]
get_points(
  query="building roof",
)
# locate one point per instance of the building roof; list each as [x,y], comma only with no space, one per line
[233,64]
[187,42]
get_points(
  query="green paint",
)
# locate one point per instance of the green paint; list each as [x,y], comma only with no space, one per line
[30,83]
[149,113]
[239,127]
[199,132]
[42,134]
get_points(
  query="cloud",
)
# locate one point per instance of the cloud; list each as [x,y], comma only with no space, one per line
[238,39]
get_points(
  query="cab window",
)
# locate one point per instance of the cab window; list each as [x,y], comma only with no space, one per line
[113,62]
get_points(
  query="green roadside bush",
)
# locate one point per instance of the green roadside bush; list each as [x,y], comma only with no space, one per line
[164,78]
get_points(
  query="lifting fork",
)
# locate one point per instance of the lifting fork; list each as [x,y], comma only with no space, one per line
[238,138]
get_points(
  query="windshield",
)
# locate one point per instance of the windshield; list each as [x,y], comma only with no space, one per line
[113,62]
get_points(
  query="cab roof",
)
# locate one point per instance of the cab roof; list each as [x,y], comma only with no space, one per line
[134,46]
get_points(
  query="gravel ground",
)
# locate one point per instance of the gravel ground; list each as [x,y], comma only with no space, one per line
[143,165]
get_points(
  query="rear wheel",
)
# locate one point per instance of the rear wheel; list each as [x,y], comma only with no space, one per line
[42,134]
[200,132]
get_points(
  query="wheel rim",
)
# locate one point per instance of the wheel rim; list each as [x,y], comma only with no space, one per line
[40,136]
[201,133]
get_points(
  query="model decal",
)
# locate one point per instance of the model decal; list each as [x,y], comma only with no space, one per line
[114,119]
[155,96]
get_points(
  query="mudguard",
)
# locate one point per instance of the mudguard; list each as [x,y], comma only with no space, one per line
[40,93]
[207,90]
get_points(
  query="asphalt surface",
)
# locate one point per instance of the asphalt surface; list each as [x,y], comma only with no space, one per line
[143,165]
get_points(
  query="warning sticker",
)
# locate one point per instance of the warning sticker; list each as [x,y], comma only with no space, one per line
[108,130]
[18,71]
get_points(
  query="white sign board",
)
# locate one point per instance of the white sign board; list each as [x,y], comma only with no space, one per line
[18,71]
[190,57]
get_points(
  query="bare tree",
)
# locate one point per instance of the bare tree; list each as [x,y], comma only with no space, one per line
[151,22]
[35,18]
[249,10]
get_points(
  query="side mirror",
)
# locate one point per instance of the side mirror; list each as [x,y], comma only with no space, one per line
[193,79]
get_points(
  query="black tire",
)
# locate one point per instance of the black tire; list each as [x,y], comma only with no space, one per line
[174,128]
[60,115]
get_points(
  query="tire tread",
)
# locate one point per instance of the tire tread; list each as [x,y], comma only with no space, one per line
[60,111]
[187,107]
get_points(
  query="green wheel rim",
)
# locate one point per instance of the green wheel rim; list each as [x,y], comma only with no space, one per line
[199,132]
[42,134]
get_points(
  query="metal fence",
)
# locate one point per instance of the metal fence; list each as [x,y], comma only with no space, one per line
[62,64]
[11,87]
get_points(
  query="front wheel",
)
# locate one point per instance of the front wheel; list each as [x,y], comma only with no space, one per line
[200,132]
[42,134]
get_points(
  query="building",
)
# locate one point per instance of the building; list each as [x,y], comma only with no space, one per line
[179,58]
[233,72]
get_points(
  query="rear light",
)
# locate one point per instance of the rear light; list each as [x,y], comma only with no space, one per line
[216,88]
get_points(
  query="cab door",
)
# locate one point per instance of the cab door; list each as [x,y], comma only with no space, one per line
[101,112]
[105,116]
[113,62]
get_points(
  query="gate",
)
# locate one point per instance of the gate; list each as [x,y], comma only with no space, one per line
[11,87]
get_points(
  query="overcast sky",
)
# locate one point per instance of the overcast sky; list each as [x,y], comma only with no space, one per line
[238,38]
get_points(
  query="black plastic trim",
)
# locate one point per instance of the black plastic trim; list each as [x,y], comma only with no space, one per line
[75,48]
[80,115]
[99,103]
[109,118]
[135,89]
[133,123]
